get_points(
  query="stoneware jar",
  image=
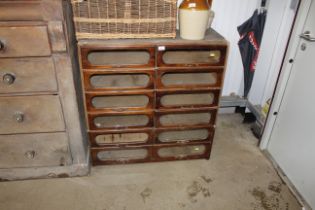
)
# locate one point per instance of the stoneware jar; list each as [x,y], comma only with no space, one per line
[193,19]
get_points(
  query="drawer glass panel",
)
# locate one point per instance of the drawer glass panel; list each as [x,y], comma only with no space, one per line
[122,155]
[187,99]
[120,101]
[117,58]
[185,119]
[121,121]
[121,138]
[186,135]
[191,57]
[169,79]
[181,151]
[120,80]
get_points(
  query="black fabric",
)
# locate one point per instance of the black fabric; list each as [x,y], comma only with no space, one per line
[251,32]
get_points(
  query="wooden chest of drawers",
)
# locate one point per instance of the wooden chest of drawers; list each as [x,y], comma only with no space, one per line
[40,123]
[151,100]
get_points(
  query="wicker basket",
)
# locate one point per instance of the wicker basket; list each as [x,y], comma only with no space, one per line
[113,19]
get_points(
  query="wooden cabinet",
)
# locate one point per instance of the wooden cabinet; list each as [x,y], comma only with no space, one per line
[39,115]
[151,100]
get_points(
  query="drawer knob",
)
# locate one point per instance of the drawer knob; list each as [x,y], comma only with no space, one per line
[30,154]
[8,79]
[2,45]
[19,117]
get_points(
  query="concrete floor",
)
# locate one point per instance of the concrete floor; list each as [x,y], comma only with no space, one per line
[237,176]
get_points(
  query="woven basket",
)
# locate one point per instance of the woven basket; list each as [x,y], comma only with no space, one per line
[113,19]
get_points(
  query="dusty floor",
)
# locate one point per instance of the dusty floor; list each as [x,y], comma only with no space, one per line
[237,176]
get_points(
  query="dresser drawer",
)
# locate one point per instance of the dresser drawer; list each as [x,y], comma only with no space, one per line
[34,150]
[25,114]
[30,10]
[27,75]
[24,41]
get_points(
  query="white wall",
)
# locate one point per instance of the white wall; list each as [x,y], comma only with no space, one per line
[228,15]
[277,29]
[231,13]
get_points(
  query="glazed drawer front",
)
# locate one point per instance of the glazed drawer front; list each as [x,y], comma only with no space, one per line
[30,10]
[24,41]
[121,137]
[175,118]
[103,80]
[27,75]
[181,152]
[116,57]
[121,101]
[25,114]
[185,134]
[189,78]
[104,156]
[191,56]
[149,153]
[121,120]
[187,98]
[34,150]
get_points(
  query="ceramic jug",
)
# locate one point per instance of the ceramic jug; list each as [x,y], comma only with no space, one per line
[193,19]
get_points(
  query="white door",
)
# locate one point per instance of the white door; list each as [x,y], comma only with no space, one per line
[292,140]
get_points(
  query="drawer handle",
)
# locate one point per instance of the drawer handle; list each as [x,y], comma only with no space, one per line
[8,79]
[30,154]
[2,46]
[19,117]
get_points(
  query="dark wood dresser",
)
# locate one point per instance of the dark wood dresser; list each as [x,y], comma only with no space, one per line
[151,99]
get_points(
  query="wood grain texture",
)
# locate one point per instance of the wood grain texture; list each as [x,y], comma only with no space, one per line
[34,10]
[57,36]
[34,150]
[180,152]
[30,75]
[24,41]
[40,114]
[185,86]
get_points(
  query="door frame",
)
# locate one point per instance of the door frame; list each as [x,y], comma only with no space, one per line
[285,72]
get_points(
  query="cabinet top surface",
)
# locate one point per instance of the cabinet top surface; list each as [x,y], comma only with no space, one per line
[212,37]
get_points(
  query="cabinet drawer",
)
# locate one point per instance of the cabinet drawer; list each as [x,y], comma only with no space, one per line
[27,75]
[120,101]
[187,99]
[191,56]
[102,156]
[115,120]
[114,57]
[182,152]
[34,150]
[25,114]
[116,79]
[189,78]
[179,117]
[185,134]
[18,41]
[121,137]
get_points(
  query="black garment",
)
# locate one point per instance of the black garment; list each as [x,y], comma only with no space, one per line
[249,44]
